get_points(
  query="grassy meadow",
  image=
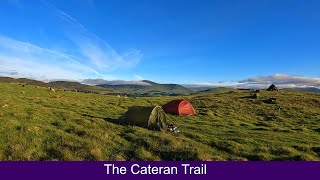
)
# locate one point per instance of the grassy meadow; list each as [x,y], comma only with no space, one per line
[37,124]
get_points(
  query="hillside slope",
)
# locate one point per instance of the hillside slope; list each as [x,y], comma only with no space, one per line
[67,85]
[154,89]
[216,90]
[314,90]
[36,124]
[22,80]
[78,86]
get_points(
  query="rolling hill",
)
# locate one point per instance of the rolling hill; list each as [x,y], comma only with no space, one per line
[23,80]
[149,89]
[129,88]
[78,86]
[37,124]
[66,85]
[217,90]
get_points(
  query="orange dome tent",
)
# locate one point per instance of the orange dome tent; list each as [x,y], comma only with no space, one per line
[179,107]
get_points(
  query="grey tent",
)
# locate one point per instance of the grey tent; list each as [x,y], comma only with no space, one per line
[153,118]
[272,88]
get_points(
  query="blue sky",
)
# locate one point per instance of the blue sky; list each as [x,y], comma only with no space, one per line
[178,41]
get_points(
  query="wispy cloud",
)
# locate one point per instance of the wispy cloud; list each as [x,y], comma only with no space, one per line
[138,77]
[90,57]
[22,59]
[95,49]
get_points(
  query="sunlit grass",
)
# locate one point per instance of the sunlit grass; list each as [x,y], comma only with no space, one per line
[36,124]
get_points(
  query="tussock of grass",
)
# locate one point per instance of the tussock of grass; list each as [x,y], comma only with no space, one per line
[43,125]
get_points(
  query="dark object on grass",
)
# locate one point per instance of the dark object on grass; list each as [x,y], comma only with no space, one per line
[255,96]
[272,88]
[172,128]
[279,110]
[271,100]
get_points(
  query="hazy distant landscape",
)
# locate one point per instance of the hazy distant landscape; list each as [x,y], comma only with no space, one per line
[131,88]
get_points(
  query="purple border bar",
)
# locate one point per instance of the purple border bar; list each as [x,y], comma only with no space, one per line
[215,170]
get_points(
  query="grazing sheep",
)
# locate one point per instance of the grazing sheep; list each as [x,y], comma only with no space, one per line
[51,89]
[23,84]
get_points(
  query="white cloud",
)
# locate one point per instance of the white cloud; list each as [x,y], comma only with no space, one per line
[263,82]
[283,81]
[219,84]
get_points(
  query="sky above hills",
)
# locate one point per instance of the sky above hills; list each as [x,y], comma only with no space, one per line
[187,42]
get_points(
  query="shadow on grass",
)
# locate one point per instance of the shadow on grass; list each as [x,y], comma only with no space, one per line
[132,155]
[113,121]
[248,97]
[177,155]
[260,129]
[53,153]
[317,130]
[90,116]
[110,120]
[316,150]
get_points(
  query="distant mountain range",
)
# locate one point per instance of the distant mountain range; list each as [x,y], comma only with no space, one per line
[198,88]
[96,82]
[309,89]
[131,88]
[147,88]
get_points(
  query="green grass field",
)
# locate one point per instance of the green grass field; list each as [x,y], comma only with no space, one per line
[36,124]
